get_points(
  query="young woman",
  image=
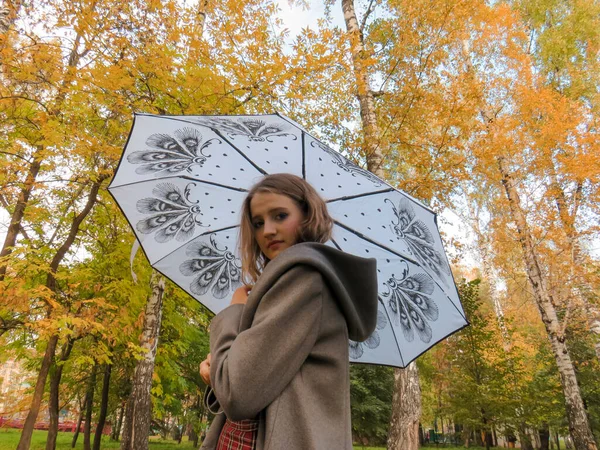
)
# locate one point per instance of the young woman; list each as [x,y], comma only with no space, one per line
[278,366]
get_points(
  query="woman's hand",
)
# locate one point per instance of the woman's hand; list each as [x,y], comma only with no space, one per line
[205,370]
[240,296]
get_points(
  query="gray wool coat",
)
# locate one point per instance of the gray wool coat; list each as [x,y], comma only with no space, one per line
[283,357]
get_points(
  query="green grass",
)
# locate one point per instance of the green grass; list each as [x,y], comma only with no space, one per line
[9,438]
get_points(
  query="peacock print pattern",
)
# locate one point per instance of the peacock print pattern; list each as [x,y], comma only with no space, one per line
[410,304]
[171,213]
[346,165]
[356,349]
[172,154]
[213,268]
[418,238]
[256,130]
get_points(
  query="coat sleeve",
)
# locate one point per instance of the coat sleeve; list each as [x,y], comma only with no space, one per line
[250,369]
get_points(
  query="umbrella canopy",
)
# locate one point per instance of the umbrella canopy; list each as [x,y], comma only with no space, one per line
[181,183]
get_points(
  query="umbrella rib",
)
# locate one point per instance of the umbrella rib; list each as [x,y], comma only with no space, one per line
[122,156]
[195,237]
[220,229]
[290,121]
[336,245]
[362,236]
[185,177]
[351,197]
[393,331]
[386,313]
[467,323]
[218,133]
[407,258]
[303,155]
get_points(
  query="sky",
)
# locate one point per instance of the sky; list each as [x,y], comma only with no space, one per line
[295,18]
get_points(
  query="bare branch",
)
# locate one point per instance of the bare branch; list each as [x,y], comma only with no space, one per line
[16,156]
[370,9]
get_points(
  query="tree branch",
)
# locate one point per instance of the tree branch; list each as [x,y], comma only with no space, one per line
[62,251]
[21,229]
[370,9]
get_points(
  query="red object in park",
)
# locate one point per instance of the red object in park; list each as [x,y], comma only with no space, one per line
[68,426]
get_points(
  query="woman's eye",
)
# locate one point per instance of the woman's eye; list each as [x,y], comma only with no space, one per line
[257,224]
[281,216]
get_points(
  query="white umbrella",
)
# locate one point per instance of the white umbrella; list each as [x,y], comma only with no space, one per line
[181,182]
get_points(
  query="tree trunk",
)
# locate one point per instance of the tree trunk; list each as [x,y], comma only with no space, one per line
[128,424]
[366,100]
[487,436]
[34,168]
[544,433]
[79,421]
[489,273]
[581,289]
[9,12]
[89,400]
[478,438]
[576,414]
[17,216]
[525,439]
[117,433]
[103,407]
[406,409]
[594,323]
[76,434]
[53,403]
[25,439]
[139,408]
[488,439]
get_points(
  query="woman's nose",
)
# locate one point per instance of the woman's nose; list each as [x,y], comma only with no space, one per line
[269,228]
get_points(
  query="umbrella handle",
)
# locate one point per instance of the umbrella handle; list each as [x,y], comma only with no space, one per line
[134,248]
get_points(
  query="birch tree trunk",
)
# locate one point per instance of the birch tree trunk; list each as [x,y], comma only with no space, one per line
[489,273]
[371,145]
[579,426]
[9,11]
[406,409]
[117,429]
[580,287]
[406,404]
[139,408]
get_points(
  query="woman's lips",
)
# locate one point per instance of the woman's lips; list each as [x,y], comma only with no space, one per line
[274,243]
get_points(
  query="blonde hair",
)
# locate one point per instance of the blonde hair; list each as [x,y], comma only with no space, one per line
[316,226]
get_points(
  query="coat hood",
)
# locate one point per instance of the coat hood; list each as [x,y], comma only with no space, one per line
[352,279]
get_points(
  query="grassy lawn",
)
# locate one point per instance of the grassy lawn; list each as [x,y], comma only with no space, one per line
[9,438]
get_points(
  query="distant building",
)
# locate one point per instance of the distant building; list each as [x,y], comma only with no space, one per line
[13,384]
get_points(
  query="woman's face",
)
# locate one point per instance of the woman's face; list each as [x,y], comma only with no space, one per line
[276,219]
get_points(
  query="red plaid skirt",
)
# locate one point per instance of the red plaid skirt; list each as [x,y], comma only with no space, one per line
[239,435]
